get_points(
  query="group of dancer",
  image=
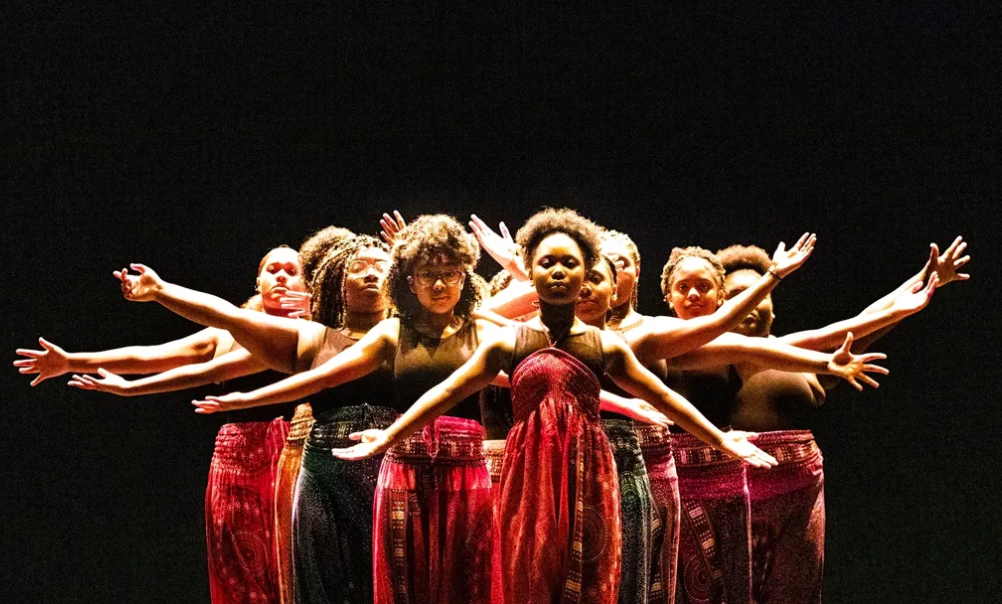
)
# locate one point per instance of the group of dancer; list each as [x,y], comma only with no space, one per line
[401,431]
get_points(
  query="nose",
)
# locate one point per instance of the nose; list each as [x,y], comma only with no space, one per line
[693,294]
[371,273]
[585,291]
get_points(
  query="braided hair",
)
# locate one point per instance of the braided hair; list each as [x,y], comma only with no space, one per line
[328,303]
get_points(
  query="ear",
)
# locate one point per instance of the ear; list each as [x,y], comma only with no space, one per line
[257,284]
[410,285]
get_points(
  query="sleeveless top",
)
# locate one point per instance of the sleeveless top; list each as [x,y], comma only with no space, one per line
[776,400]
[585,346]
[374,389]
[422,362]
[711,391]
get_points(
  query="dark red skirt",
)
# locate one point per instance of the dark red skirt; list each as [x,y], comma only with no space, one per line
[715,531]
[788,520]
[433,521]
[240,513]
[655,445]
[285,489]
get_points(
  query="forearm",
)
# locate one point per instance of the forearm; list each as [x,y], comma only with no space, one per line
[293,388]
[512,302]
[732,350]
[434,403]
[192,376]
[832,336]
[885,302]
[621,405]
[128,360]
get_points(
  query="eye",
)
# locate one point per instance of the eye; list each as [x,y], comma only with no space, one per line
[704,287]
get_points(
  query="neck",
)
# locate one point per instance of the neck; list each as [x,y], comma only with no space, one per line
[434,323]
[360,322]
[278,312]
[622,314]
[557,318]
[596,321]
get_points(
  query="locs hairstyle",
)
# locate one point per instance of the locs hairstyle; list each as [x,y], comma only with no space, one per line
[328,303]
[681,253]
[314,248]
[423,240]
[744,257]
[549,221]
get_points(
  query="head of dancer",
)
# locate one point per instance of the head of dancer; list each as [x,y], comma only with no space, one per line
[432,273]
[692,282]
[744,265]
[624,253]
[598,292]
[278,273]
[559,246]
[315,247]
[351,278]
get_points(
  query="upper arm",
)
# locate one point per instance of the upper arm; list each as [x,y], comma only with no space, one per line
[199,347]
[360,359]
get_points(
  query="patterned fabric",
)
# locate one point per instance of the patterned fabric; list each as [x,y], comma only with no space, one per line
[715,532]
[655,444]
[788,520]
[638,513]
[559,494]
[285,490]
[433,518]
[240,513]
[332,515]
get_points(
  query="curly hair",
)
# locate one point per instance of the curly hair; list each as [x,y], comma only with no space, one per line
[681,253]
[744,257]
[422,241]
[618,238]
[549,221]
[314,248]
[328,303]
[499,282]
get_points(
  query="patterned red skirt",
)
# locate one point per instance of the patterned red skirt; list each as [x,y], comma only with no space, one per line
[559,507]
[715,532]
[240,512]
[788,520]
[433,521]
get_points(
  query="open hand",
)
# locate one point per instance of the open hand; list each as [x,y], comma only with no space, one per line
[649,414]
[218,404]
[736,444]
[786,261]
[52,361]
[946,265]
[916,297]
[372,442]
[391,226]
[109,382]
[852,367]
[141,287]
[502,248]
[297,302]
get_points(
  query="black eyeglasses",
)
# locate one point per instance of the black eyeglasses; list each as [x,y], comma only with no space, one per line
[430,277]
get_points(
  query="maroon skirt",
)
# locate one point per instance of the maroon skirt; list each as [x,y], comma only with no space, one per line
[240,512]
[433,520]
[655,444]
[788,520]
[715,532]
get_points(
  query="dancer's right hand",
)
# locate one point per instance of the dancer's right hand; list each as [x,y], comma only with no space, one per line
[501,248]
[139,288]
[218,404]
[297,302]
[786,261]
[372,442]
[52,361]
[736,444]
[109,382]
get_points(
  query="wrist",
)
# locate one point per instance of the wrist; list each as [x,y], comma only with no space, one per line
[776,272]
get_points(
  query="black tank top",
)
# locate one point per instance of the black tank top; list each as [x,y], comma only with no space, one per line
[423,362]
[711,391]
[776,400]
[585,346]
[374,389]
[263,413]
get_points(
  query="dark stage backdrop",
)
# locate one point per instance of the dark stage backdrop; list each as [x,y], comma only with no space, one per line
[193,140]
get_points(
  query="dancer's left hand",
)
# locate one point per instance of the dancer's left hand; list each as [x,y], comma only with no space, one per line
[110,382]
[217,404]
[373,442]
[852,367]
[139,288]
[296,302]
[736,444]
[391,225]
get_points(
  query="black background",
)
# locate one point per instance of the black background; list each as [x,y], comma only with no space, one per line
[194,140]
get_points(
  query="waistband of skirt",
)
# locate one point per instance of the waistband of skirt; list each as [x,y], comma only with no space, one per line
[302,421]
[789,446]
[494,454]
[690,451]
[653,438]
[448,439]
[332,428]
[246,444]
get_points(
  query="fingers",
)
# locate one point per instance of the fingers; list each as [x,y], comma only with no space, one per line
[37,380]
[505,233]
[960,250]
[205,407]
[847,344]
[953,246]
[854,383]
[355,436]
[803,240]
[139,268]
[875,369]
[400,220]
[45,343]
[869,381]
[780,249]
[27,353]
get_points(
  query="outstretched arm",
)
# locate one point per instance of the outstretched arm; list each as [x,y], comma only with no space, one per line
[630,375]
[350,364]
[730,349]
[668,337]
[52,361]
[226,367]
[632,408]
[473,376]
[274,340]
[514,301]
[906,303]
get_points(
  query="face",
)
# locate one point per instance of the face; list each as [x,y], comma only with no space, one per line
[758,323]
[627,271]
[694,291]
[598,293]
[557,270]
[281,273]
[438,284]
[364,279]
